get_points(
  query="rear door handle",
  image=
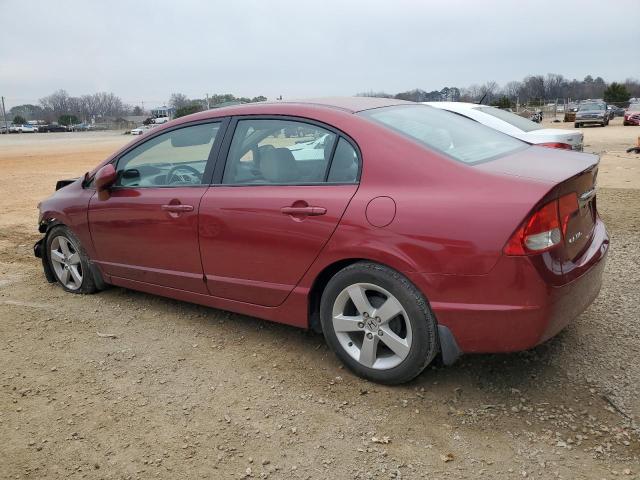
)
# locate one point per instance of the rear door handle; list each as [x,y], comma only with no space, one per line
[308,211]
[177,208]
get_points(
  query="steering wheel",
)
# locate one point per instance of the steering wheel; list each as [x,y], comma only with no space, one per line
[183,178]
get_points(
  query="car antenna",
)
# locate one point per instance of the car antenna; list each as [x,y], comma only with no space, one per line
[480,102]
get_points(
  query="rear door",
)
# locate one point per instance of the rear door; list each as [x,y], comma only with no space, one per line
[147,230]
[278,199]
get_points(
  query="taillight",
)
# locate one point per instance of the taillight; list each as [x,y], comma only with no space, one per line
[564,146]
[545,228]
[567,207]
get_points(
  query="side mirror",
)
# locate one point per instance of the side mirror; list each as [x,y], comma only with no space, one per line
[105,178]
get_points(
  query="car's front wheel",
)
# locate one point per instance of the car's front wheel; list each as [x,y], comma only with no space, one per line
[378,323]
[68,261]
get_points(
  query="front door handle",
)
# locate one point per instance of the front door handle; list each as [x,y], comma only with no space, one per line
[306,211]
[179,208]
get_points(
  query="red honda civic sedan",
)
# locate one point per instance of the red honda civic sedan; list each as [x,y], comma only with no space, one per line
[398,230]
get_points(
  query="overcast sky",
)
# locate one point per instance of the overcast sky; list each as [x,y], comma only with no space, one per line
[146,49]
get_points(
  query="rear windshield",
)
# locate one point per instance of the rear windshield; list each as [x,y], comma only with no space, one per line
[460,138]
[517,121]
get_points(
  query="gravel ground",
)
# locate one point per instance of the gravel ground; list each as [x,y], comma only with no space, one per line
[127,385]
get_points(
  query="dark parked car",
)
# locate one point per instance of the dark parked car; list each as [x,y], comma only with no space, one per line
[616,111]
[81,127]
[52,128]
[592,113]
[412,232]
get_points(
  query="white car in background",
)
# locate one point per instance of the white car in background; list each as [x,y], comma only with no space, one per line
[140,130]
[22,129]
[309,150]
[515,125]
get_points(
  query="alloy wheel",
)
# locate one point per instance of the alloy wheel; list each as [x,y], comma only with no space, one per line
[372,326]
[66,262]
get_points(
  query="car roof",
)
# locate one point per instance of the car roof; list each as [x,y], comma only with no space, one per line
[346,104]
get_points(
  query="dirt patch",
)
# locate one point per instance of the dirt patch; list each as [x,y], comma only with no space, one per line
[127,385]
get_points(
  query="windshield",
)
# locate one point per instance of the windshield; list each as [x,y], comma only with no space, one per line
[462,139]
[517,121]
[591,106]
[634,107]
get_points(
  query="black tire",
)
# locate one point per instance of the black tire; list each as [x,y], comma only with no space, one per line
[88,283]
[576,125]
[424,345]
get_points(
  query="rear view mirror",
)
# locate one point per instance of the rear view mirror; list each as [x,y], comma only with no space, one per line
[105,178]
[189,137]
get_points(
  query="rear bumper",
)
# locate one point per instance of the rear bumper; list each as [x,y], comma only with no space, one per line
[515,306]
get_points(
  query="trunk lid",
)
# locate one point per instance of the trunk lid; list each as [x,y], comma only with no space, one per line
[547,165]
[549,135]
[580,223]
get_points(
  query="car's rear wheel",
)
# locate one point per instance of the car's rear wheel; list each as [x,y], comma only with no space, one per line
[68,261]
[378,323]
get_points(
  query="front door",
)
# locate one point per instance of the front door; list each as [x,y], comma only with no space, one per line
[147,230]
[281,196]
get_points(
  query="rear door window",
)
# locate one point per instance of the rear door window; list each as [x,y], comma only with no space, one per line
[278,152]
[345,165]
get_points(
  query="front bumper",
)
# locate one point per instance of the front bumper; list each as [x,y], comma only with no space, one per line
[599,120]
[38,247]
[40,252]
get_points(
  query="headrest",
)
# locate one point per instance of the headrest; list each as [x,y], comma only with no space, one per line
[278,165]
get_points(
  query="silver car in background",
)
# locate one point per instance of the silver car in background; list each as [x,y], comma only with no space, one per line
[592,113]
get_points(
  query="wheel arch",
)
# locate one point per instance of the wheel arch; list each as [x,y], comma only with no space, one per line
[318,286]
[448,347]
[322,278]
[46,225]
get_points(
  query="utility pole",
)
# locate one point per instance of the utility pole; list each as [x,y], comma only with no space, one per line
[207,97]
[4,115]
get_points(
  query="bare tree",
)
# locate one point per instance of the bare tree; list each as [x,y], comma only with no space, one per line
[512,89]
[555,86]
[57,102]
[532,88]
[179,100]
[488,91]
[471,93]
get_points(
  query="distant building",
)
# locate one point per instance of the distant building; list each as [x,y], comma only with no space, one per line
[163,111]
[136,119]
